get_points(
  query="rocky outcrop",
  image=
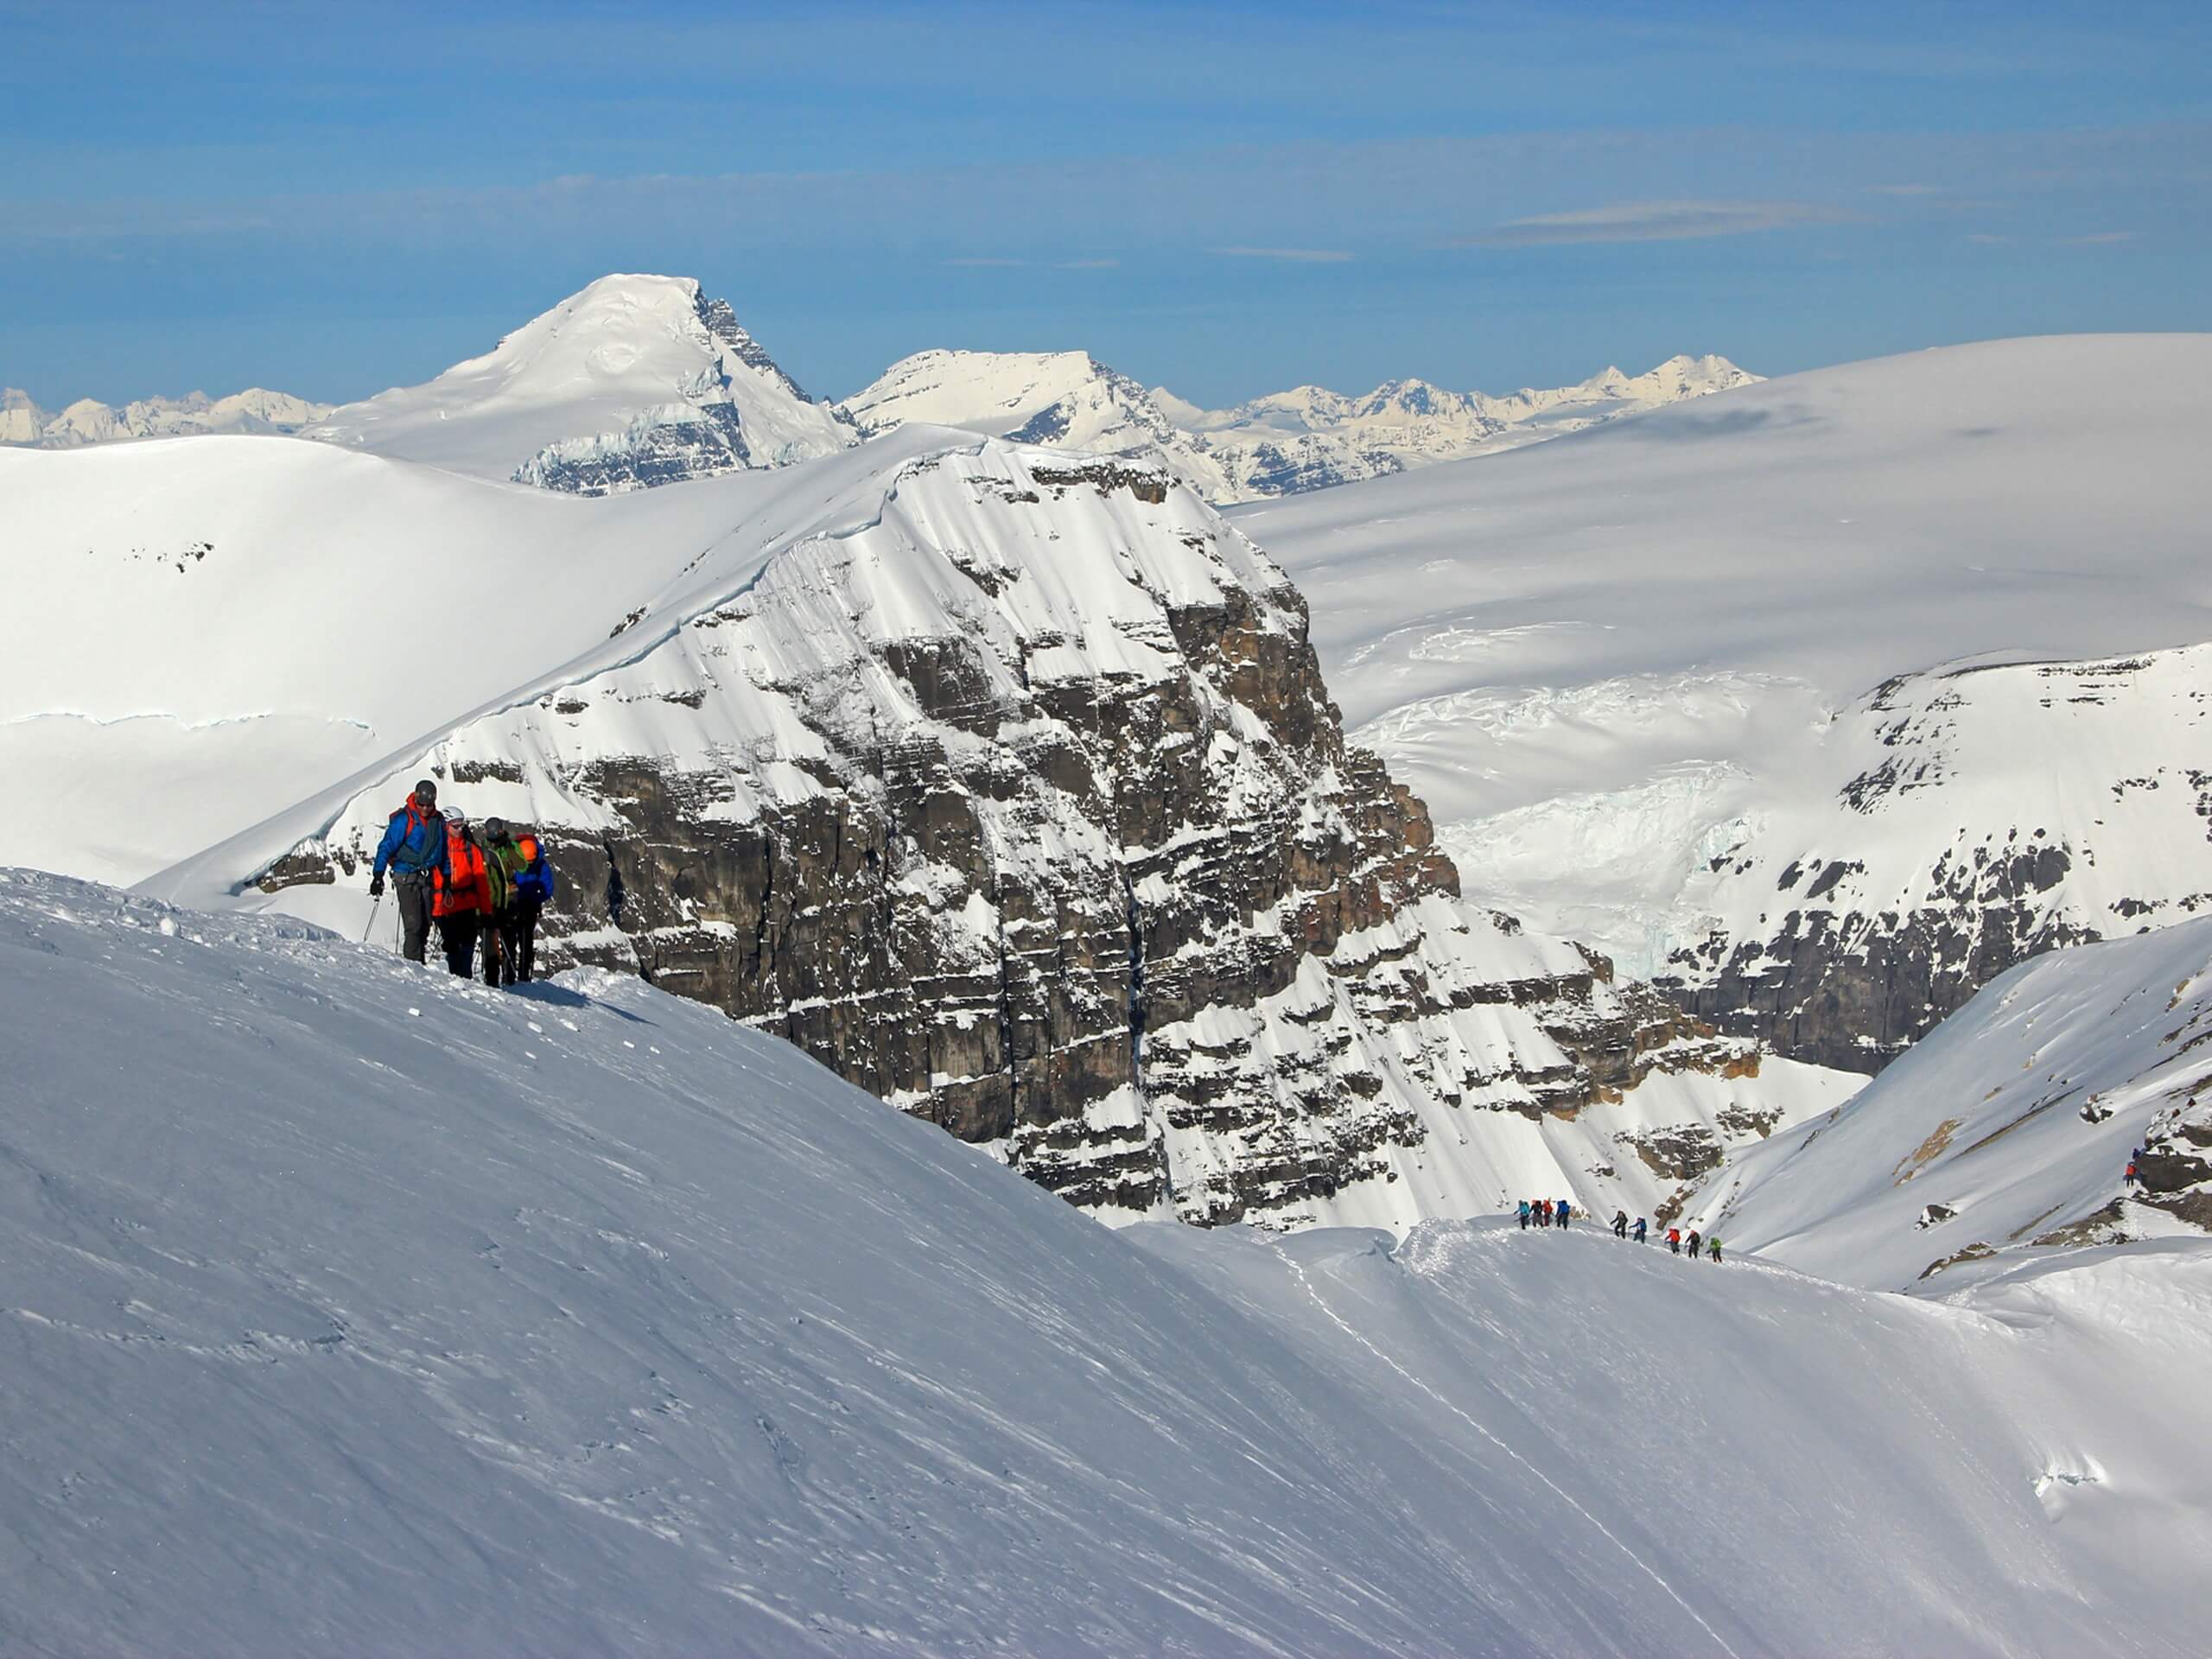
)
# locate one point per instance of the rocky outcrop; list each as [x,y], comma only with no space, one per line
[1989,814]
[1021,803]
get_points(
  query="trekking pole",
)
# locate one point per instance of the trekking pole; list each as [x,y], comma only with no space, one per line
[371,928]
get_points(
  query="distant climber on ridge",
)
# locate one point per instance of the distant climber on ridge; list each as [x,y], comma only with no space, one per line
[1712,1249]
[1693,1244]
[1639,1230]
[1525,1213]
[1620,1223]
[414,848]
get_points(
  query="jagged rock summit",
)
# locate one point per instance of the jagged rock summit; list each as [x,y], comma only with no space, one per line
[89,421]
[634,381]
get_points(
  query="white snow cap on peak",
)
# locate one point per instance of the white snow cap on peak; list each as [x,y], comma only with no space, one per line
[635,380]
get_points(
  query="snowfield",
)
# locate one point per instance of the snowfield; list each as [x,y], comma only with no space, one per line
[1606,660]
[352,1309]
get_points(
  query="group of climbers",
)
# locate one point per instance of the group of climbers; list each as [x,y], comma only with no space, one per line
[1675,1242]
[480,883]
[1544,1212]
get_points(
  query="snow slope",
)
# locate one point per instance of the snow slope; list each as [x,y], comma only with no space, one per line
[254,619]
[2007,1133]
[634,381]
[409,1316]
[1605,661]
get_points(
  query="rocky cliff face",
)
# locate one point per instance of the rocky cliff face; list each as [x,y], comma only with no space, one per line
[1988,814]
[1020,802]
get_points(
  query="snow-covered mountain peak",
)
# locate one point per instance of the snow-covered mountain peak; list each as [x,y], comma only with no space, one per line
[1067,399]
[22,421]
[634,380]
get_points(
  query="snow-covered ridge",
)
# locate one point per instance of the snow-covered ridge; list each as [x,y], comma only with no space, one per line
[634,381]
[89,421]
[605,1324]
[2006,1133]
[1282,444]
[1004,783]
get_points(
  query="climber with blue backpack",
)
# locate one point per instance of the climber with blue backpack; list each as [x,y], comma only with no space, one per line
[414,849]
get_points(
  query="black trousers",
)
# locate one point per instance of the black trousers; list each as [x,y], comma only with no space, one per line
[412,894]
[518,935]
[459,931]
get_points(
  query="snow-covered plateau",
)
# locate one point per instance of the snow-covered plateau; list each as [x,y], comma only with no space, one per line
[354,1309]
[1826,700]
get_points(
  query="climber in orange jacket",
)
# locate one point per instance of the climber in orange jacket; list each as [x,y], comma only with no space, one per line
[462,898]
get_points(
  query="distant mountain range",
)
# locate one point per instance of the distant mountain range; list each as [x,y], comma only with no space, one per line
[638,381]
[88,420]
[1285,443]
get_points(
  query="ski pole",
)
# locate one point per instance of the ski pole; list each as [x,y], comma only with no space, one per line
[371,928]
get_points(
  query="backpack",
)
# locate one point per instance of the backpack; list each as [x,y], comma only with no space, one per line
[465,884]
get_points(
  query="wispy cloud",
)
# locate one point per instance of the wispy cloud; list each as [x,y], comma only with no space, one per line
[1652,221]
[1987,239]
[1904,190]
[1296,256]
[983,262]
[2096,238]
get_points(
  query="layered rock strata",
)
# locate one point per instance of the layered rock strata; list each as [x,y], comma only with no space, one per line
[1986,814]
[1020,802]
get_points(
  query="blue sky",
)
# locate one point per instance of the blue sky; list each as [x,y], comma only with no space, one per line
[1225,199]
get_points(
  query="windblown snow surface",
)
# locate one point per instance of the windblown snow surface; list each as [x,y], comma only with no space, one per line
[1609,660]
[2004,1135]
[354,1309]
